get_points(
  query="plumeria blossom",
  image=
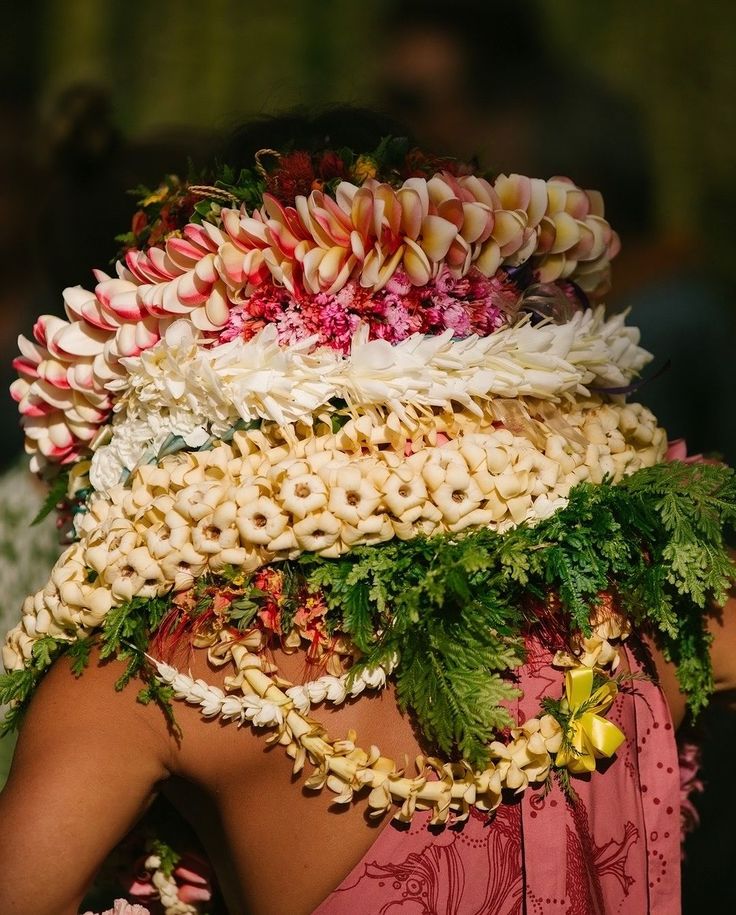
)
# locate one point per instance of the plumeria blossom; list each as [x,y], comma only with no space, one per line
[71,371]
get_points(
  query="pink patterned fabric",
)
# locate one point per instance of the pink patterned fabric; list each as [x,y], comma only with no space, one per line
[616,851]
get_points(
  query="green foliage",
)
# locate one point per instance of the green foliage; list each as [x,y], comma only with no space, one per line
[126,633]
[454,608]
[434,603]
[449,606]
[55,495]
[244,184]
[14,686]
[162,695]
[17,686]
[169,858]
[78,653]
[244,609]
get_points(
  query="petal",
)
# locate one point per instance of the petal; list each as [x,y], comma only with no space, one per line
[514,191]
[451,210]
[332,267]
[416,263]
[437,236]
[80,339]
[192,290]
[551,268]
[31,351]
[390,213]
[205,270]
[538,202]
[508,226]
[480,190]
[567,233]
[412,212]
[557,195]
[231,263]
[217,307]
[477,223]
[489,259]
[46,327]
[120,297]
[54,372]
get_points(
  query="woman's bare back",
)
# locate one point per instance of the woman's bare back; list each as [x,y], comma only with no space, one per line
[289,846]
[92,759]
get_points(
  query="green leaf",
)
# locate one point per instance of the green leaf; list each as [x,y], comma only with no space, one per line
[169,858]
[79,653]
[56,494]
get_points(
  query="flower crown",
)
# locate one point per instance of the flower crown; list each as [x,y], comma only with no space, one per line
[313,246]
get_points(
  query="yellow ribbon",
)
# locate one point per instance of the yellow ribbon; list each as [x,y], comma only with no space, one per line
[589,736]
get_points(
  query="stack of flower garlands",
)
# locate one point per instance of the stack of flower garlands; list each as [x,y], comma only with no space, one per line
[368,405]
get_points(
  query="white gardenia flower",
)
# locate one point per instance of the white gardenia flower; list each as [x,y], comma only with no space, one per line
[317,690]
[336,691]
[232,709]
[177,386]
[375,677]
[106,469]
[263,713]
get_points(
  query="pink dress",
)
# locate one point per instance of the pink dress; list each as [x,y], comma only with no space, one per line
[616,851]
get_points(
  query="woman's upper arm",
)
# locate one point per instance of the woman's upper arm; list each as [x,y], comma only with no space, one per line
[86,766]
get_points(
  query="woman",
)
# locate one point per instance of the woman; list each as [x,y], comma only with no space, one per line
[275,529]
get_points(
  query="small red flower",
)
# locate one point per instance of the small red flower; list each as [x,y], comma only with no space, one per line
[139,222]
[294,175]
[331,166]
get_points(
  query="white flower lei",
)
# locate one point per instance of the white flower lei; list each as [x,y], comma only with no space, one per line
[260,711]
[178,387]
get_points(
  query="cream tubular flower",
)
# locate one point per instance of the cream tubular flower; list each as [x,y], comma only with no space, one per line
[183,565]
[352,497]
[405,494]
[161,540]
[457,496]
[303,494]
[317,532]
[126,582]
[261,521]
[217,532]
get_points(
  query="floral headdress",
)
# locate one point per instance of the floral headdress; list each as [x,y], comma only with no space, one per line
[367,404]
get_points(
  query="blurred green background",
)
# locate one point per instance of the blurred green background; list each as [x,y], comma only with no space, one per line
[633,98]
[169,63]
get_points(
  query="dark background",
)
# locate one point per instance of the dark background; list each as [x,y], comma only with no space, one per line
[634,99]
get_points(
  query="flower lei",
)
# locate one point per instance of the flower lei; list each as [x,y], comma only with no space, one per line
[257,499]
[363,610]
[360,402]
[534,749]
[414,254]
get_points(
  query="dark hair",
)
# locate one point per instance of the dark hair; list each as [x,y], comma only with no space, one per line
[360,129]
